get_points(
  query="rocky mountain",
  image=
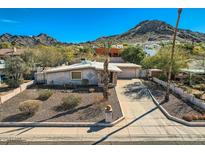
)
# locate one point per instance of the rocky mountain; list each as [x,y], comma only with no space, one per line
[155,30]
[43,39]
[148,30]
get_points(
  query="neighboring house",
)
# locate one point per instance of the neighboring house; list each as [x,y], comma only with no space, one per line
[115,50]
[2,67]
[91,71]
[118,46]
[154,72]
[9,52]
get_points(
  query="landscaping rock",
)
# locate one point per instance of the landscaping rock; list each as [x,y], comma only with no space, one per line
[203,97]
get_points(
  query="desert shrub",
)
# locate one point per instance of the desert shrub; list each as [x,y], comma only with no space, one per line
[201,117]
[199,86]
[44,95]
[29,106]
[198,95]
[188,118]
[85,82]
[70,102]
[5,45]
[195,117]
[189,90]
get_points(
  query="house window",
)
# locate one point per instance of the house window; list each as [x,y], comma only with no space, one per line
[76,76]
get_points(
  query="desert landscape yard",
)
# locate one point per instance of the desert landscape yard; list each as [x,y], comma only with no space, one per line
[176,106]
[90,108]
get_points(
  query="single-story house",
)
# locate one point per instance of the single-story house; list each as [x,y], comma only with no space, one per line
[90,71]
[74,74]
[154,72]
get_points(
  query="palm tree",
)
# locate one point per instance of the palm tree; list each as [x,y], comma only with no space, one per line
[172,56]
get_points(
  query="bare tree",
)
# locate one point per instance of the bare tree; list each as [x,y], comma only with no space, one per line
[107,46]
[172,56]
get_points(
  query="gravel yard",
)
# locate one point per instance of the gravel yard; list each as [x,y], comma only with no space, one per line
[175,106]
[90,108]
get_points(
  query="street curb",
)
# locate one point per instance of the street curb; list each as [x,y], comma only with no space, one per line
[123,113]
[59,124]
[175,119]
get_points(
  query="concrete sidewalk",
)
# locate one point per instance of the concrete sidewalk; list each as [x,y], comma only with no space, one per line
[143,124]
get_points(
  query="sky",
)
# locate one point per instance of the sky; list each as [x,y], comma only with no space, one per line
[80,25]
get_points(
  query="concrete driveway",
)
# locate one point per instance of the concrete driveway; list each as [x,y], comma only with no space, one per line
[148,121]
[143,124]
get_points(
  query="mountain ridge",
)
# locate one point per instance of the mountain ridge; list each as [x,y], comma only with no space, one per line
[24,40]
[147,30]
[155,30]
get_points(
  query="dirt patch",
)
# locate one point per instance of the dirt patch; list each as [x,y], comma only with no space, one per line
[175,106]
[89,110]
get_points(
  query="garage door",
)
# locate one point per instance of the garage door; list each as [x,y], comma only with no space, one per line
[127,73]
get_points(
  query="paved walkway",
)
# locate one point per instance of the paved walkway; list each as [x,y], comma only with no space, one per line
[143,124]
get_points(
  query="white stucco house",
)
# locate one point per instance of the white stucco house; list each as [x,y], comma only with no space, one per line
[91,71]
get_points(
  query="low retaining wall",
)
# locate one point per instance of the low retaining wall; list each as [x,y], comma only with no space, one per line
[15,92]
[185,96]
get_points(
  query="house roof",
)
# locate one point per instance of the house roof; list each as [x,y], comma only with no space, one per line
[155,70]
[83,65]
[126,65]
[8,52]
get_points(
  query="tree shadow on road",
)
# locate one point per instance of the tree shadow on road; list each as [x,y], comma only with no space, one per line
[136,90]
[24,129]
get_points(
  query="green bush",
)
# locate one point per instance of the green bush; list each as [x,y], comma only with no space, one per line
[70,102]
[29,106]
[5,45]
[44,95]
[13,83]
[14,69]
[133,54]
